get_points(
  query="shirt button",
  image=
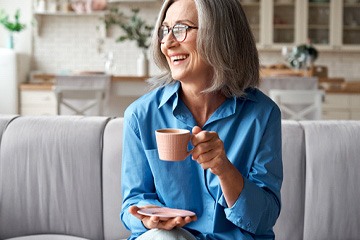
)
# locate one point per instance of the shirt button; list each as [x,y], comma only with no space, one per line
[239,221]
[248,225]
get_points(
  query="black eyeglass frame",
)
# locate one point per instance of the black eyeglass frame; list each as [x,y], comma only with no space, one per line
[171,29]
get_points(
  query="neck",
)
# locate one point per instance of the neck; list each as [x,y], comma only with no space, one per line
[201,105]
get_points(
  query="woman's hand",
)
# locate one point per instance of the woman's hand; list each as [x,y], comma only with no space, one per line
[209,151]
[160,223]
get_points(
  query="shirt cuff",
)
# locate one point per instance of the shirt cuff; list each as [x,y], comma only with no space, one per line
[246,213]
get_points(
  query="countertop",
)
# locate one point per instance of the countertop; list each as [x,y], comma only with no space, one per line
[45,81]
[329,85]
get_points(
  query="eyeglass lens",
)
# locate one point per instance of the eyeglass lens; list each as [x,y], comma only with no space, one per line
[178,31]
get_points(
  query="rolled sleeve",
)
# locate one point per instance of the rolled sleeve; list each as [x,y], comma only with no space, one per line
[248,210]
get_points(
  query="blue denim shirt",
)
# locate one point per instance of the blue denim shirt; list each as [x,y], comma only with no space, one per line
[250,128]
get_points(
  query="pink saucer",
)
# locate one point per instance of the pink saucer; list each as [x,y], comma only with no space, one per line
[165,212]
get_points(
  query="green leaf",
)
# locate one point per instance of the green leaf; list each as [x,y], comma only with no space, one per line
[134,27]
[15,26]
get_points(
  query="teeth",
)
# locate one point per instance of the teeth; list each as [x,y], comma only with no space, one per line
[179,57]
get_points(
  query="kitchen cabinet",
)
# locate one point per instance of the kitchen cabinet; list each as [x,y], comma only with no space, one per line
[282,22]
[37,102]
[252,11]
[319,27]
[275,23]
[341,106]
[350,25]
[331,25]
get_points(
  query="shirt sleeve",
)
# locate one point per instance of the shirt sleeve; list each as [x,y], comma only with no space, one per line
[258,205]
[136,178]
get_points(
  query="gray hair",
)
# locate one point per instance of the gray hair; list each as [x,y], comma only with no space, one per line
[224,41]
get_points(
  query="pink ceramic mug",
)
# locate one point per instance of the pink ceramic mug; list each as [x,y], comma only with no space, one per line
[172,144]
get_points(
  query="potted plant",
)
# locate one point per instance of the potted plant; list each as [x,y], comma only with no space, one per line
[134,28]
[303,56]
[12,27]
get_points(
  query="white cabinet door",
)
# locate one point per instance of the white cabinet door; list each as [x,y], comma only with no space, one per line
[341,106]
[355,107]
[349,25]
[38,102]
[329,24]
[252,12]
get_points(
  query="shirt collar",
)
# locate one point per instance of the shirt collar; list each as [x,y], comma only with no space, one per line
[169,91]
[250,94]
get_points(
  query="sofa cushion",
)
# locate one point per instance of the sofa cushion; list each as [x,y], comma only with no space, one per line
[332,206]
[112,155]
[4,121]
[290,224]
[50,177]
[47,237]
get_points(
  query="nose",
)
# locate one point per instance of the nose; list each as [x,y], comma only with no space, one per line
[169,40]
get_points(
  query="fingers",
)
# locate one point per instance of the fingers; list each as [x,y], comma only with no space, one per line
[151,222]
[209,151]
[157,222]
[202,136]
[196,130]
[175,222]
[134,210]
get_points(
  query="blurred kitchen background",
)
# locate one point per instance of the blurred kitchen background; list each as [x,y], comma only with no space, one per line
[70,38]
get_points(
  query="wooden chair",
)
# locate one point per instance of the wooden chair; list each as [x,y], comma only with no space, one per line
[298,104]
[81,95]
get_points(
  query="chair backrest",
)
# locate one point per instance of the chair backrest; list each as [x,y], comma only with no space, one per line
[298,104]
[288,83]
[82,94]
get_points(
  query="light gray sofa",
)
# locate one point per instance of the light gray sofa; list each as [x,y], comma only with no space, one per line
[60,179]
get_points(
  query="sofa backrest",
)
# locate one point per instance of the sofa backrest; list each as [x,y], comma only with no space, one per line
[61,175]
[112,155]
[50,177]
[4,121]
[332,208]
[291,219]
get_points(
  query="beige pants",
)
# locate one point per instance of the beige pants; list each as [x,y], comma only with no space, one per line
[159,234]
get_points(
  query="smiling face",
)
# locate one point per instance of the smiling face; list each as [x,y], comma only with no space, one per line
[183,58]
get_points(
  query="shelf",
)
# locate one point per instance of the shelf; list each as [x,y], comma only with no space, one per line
[284,5]
[319,4]
[250,4]
[351,5]
[131,1]
[352,28]
[319,26]
[284,26]
[39,18]
[95,13]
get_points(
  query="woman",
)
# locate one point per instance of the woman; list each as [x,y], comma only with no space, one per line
[233,178]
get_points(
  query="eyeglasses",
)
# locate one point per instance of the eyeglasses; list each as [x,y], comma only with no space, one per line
[179,32]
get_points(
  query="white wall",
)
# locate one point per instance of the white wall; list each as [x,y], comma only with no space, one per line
[23,40]
[69,43]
